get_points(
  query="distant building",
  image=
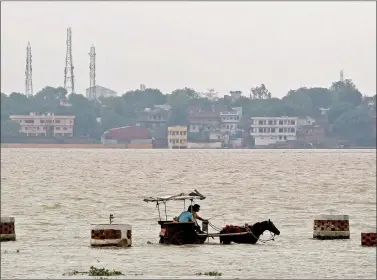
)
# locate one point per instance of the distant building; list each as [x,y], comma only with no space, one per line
[177,137]
[271,130]
[233,95]
[230,120]
[100,92]
[37,124]
[127,135]
[155,119]
[305,121]
[204,120]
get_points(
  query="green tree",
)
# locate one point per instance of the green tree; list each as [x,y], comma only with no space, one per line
[10,128]
[346,91]
[179,101]
[356,126]
[141,99]
[298,102]
[85,121]
[260,92]
[337,110]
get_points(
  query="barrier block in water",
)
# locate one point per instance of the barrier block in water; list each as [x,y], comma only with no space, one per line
[7,229]
[331,227]
[106,235]
[368,239]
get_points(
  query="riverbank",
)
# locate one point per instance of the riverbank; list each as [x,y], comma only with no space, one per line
[134,146]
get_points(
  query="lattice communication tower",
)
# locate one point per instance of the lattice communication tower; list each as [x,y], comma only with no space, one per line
[92,73]
[28,72]
[69,78]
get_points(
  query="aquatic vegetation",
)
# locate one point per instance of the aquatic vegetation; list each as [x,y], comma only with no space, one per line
[103,272]
[210,273]
[94,271]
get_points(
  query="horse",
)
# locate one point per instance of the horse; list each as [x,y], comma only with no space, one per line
[255,231]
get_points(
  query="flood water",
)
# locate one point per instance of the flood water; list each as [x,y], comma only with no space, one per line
[55,194]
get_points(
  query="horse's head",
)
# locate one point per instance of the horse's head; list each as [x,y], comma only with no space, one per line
[269,225]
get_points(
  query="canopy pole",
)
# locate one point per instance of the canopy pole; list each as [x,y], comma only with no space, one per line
[158,208]
[166,214]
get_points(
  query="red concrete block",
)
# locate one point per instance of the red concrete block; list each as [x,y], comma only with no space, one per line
[368,239]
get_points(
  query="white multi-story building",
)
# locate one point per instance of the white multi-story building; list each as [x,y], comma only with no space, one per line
[100,91]
[270,130]
[177,137]
[37,124]
[230,120]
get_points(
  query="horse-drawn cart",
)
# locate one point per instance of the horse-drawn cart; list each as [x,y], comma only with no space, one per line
[179,233]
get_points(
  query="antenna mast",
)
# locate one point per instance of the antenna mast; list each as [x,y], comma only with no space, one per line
[69,83]
[92,74]
[28,72]
[341,76]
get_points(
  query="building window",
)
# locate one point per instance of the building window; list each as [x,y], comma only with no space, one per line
[57,121]
[260,122]
[269,122]
[285,137]
[293,122]
[29,121]
[41,121]
[280,130]
[57,128]
[292,129]
[274,122]
[64,128]
[272,129]
[260,130]
[280,137]
[280,122]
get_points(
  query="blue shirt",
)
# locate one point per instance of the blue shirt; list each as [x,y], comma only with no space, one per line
[185,216]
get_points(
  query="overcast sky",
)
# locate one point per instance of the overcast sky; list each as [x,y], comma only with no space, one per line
[168,45]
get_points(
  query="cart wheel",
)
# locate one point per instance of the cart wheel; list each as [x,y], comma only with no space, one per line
[177,238]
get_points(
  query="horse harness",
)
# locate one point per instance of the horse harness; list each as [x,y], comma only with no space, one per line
[272,237]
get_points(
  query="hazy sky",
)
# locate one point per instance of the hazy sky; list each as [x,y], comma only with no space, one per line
[168,45]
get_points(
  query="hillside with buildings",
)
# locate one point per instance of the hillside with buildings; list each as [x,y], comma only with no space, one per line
[338,116]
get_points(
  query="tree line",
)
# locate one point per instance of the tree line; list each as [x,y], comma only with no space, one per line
[350,117]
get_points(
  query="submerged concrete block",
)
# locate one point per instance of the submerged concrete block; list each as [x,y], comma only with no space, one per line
[105,235]
[331,227]
[368,239]
[7,229]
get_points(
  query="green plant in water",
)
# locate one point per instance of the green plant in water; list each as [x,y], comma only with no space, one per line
[210,273]
[94,271]
[75,272]
[103,272]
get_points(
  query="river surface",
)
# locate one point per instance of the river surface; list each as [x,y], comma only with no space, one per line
[55,194]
